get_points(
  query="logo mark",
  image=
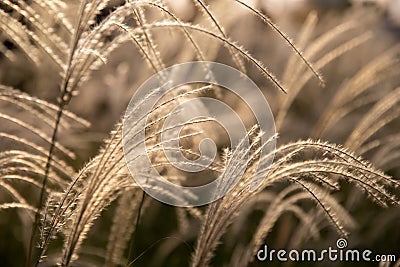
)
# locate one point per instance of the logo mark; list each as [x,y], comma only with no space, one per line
[341,243]
[147,109]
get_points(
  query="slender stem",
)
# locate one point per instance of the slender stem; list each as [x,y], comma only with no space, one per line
[64,99]
[131,245]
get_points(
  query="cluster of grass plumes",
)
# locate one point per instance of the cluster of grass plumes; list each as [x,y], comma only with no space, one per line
[63,203]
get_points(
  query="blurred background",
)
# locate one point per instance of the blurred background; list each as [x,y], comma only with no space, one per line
[374,30]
